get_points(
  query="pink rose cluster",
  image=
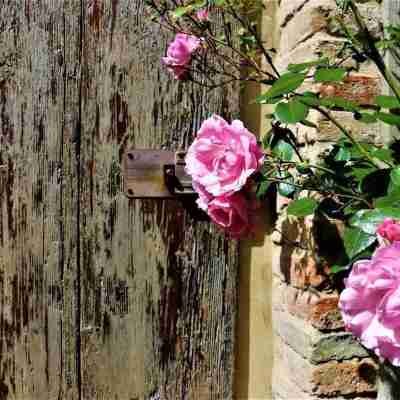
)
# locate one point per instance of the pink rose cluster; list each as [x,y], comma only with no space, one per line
[180,53]
[370,303]
[220,161]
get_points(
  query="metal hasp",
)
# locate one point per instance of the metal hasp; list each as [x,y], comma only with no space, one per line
[3,172]
[155,174]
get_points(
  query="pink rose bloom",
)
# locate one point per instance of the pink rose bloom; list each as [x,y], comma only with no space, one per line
[389,230]
[370,303]
[179,54]
[202,15]
[223,156]
[232,214]
[204,197]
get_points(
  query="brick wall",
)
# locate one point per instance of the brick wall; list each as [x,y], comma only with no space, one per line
[314,357]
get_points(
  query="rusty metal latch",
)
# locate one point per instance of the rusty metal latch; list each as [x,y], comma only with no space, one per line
[155,174]
[3,172]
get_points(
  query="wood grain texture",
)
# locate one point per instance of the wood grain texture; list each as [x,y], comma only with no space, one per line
[37,256]
[103,297]
[158,288]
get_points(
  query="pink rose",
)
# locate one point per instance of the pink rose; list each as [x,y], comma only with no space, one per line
[370,303]
[204,197]
[232,214]
[389,230]
[179,54]
[202,15]
[223,156]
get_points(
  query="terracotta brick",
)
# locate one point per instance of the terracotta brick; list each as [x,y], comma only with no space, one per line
[325,314]
[305,271]
[320,309]
[345,378]
[300,302]
[295,260]
[358,88]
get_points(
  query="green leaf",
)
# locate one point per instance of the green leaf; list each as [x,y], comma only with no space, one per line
[390,119]
[344,154]
[395,176]
[361,172]
[391,200]
[181,11]
[263,189]
[285,84]
[369,220]
[305,66]
[356,240]
[366,118]
[387,101]
[339,102]
[303,168]
[376,183]
[329,74]
[383,154]
[309,98]
[335,269]
[291,112]
[302,207]
[356,153]
[268,82]
[329,102]
[286,189]
[283,150]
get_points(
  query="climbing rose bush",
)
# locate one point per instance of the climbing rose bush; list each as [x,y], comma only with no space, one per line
[370,303]
[354,181]
[179,54]
[223,156]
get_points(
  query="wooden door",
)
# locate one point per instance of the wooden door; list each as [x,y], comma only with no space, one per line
[102,297]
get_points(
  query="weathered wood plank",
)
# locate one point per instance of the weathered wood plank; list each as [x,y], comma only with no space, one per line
[70,194]
[34,92]
[158,289]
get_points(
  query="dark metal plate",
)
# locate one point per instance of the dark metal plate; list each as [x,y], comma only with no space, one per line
[144,173]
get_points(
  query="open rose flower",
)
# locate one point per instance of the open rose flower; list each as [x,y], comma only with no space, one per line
[233,214]
[179,54]
[389,230]
[223,156]
[370,303]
